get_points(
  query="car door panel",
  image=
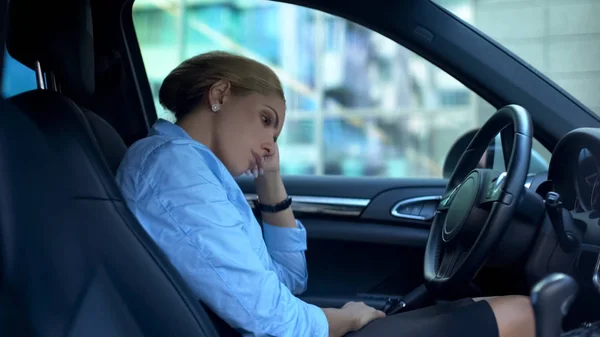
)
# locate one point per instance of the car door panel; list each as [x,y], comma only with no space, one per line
[357,248]
[402,205]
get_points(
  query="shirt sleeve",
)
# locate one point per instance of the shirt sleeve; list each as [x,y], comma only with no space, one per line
[287,248]
[203,234]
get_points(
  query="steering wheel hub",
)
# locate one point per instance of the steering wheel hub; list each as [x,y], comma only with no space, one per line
[463,201]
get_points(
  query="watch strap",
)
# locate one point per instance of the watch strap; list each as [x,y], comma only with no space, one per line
[274,208]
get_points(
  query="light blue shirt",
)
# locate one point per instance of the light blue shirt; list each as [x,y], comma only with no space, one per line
[192,207]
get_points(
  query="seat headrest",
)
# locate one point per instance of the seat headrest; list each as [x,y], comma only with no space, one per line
[59,34]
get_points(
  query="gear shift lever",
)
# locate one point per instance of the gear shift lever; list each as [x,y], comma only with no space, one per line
[551,298]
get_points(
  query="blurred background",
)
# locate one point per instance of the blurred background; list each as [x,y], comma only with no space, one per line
[360,104]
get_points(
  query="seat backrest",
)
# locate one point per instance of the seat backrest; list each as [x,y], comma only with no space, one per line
[74,261]
[110,143]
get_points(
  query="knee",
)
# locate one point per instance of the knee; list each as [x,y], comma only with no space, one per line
[514,315]
[520,303]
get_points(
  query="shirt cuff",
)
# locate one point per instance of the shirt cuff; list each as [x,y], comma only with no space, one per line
[321,325]
[284,238]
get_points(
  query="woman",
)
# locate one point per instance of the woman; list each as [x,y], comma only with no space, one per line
[179,182]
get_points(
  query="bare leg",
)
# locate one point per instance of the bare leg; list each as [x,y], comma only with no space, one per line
[514,315]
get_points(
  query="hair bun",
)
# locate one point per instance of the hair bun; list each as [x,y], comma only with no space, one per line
[167,95]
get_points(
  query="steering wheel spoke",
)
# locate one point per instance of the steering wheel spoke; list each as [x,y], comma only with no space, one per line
[453,256]
[446,200]
[494,192]
[444,204]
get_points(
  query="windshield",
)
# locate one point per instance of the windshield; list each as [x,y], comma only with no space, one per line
[560,38]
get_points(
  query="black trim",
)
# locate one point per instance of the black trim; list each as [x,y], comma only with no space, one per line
[136,62]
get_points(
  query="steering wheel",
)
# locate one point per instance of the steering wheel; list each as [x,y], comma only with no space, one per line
[477,205]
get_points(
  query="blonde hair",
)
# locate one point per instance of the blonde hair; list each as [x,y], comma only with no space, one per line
[186,86]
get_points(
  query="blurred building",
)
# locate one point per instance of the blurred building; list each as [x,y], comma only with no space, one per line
[560,38]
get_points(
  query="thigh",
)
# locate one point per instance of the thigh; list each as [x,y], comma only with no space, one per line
[462,318]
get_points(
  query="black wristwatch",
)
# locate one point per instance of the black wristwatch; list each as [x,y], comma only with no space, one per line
[274,208]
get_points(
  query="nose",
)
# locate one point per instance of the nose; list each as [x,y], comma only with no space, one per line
[268,149]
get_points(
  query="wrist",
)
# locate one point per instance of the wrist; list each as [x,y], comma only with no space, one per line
[270,188]
[340,322]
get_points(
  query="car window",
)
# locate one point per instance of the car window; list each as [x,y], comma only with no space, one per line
[359,104]
[16,77]
[560,38]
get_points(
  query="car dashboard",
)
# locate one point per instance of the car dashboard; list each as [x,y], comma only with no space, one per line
[574,174]
[574,177]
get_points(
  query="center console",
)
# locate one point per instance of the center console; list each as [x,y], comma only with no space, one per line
[551,299]
[586,330]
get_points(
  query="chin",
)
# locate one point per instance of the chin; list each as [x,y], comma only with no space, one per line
[234,170]
[237,172]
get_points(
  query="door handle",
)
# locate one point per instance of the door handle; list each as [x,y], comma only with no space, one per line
[419,208]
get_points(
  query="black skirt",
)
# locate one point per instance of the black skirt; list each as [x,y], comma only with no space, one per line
[463,318]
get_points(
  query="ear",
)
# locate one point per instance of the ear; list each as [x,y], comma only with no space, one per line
[218,92]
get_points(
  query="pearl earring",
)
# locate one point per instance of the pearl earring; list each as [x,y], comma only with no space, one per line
[215,107]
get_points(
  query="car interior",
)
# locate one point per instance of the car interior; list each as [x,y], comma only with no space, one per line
[74,261]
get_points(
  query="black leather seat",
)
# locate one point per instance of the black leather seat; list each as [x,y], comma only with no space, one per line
[111,145]
[74,261]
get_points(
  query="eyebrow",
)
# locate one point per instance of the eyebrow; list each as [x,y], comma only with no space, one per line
[276,116]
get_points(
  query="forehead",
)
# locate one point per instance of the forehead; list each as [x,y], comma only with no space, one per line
[270,101]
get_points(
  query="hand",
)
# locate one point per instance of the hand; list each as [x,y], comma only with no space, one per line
[361,314]
[265,165]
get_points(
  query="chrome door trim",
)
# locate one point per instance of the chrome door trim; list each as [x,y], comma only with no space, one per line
[351,207]
[396,214]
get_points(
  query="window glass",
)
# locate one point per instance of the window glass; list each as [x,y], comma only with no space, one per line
[359,104]
[16,77]
[560,38]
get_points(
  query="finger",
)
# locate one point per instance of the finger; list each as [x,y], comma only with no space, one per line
[379,314]
[259,163]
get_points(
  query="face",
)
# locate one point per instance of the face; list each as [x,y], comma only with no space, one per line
[245,125]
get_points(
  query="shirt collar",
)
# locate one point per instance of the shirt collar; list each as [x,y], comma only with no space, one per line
[166,128]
